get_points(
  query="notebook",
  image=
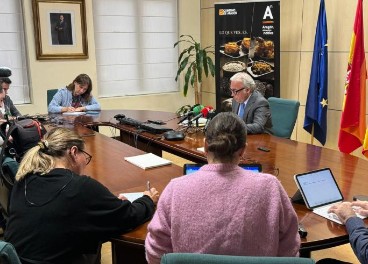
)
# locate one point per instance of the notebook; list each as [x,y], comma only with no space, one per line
[147,161]
[190,168]
[320,191]
[133,196]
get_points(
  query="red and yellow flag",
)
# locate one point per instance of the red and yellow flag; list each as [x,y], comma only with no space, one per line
[353,125]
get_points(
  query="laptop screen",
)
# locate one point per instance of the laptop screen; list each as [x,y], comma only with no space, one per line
[190,168]
[318,188]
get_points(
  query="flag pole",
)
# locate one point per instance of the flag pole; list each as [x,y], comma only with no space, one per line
[312,134]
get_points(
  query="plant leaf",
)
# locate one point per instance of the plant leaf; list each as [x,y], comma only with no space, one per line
[186,79]
[194,76]
[182,54]
[208,47]
[189,36]
[182,66]
[188,50]
[182,38]
[205,65]
[211,66]
[199,61]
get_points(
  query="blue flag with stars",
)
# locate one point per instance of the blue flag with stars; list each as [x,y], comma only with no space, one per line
[315,121]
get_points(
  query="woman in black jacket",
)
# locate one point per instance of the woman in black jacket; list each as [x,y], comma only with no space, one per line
[59,216]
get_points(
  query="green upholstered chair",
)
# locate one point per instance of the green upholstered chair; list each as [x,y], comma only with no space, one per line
[50,95]
[8,254]
[7,179]
[194,258]
[284,113]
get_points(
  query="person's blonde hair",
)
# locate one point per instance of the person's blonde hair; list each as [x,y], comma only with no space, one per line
[41,158]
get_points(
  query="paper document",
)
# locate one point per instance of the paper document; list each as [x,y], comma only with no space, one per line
[201,149]
[74,113]
[146,161]
[133,196]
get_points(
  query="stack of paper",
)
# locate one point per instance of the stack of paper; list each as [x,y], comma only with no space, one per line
[146,161]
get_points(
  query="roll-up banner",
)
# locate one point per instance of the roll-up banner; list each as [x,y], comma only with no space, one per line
[247,39]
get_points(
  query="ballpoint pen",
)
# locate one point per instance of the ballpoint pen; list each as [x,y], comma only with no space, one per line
[148,186]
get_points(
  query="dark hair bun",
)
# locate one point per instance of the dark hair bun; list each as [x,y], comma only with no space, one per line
[5,72]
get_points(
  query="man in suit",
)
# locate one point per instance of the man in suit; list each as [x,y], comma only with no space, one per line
[249,104]
[62,30]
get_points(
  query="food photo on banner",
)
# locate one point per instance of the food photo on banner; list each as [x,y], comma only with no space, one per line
[247,39]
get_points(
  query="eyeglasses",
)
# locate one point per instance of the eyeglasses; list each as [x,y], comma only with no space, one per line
[235,92]
[87,155]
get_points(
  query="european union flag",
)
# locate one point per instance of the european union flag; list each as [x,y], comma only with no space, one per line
[315,121]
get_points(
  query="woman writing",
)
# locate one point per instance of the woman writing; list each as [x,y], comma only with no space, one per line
[223,209]
[76,97]
[59,216]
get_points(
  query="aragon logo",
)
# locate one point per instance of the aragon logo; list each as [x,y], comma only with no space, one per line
[268,13]
[228,12]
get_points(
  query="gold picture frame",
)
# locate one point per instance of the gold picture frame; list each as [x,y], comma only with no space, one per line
[60,29]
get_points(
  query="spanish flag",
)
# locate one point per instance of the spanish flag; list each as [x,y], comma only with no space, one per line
[353,125]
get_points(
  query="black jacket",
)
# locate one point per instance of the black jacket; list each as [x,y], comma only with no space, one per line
[64,215]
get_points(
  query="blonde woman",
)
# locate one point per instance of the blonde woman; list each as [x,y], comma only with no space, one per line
[58,215]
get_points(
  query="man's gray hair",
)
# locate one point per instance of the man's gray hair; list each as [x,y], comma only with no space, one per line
[245,78]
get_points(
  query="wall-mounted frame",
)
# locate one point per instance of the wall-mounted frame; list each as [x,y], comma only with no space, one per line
[60,29]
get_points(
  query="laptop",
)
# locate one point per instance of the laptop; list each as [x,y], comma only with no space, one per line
[190,168]
[320,191]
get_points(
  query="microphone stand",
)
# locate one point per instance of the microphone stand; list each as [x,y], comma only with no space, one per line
[190,123]
[197,123]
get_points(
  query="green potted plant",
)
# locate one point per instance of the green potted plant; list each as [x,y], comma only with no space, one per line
[193,62]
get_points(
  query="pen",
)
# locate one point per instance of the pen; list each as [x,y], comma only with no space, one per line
[148,186]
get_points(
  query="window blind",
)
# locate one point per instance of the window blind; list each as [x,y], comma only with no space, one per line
[12,49]
[134,46]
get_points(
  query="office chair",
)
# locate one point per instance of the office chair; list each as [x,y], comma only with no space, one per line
[284,113]
[50,95]
[195,258]
[8,254]
[7,178]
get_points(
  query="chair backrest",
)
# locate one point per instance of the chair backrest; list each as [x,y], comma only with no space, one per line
[194,258]
[8,254]
[7,178]
[50,95]
[284,113]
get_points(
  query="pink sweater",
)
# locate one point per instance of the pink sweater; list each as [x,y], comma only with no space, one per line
[223,209]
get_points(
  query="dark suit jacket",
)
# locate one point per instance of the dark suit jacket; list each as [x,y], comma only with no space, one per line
[257,114]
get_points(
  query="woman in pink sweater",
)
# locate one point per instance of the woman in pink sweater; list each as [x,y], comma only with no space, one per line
[224,209]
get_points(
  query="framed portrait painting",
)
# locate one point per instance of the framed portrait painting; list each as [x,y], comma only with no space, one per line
[60,29]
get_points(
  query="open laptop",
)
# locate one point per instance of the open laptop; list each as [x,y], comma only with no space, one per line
[190,168]
[320,191]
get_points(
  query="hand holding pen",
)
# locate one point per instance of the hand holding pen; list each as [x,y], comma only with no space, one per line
[152,193]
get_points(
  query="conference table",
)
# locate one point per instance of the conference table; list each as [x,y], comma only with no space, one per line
[285,159]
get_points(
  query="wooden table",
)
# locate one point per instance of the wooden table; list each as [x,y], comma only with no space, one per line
[286,158]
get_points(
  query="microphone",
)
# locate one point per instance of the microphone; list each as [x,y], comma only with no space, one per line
[210,115]
[195,111]
[5,72]
[204,112]
[185,116]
